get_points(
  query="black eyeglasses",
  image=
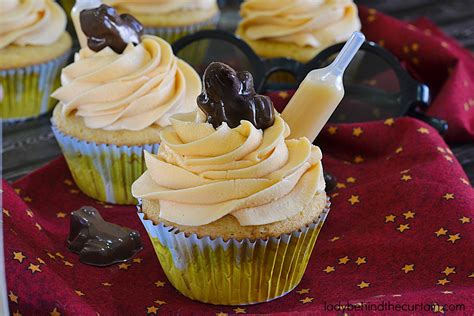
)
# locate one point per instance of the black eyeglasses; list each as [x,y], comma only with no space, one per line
[376,85]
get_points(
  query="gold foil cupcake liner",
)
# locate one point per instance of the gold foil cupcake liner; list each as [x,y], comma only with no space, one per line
[104,172]
[233,272]
[26,90]
[172,34]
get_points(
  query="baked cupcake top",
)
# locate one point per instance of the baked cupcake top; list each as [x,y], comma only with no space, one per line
[232,160]
[30,22]
[160,6]
[305,23]
[122,80]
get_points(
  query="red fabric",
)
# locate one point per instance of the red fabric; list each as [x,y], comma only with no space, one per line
[434,59]
[400,230]
[401,168]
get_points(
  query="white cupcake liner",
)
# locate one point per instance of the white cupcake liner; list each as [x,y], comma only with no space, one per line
[26,90]
[104,171]
[233,272]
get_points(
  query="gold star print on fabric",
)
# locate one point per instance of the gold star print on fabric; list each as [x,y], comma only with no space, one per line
[423,130]
[443,281]
[283,94]
[159,302]
[79,293]
[351,180]
[27,199]
[398,150]
[59,255]
[17,313]
[363,285]
[354,199]
[441,232]
[333,239]
[358,159]
[6,212]
[471,275]
[453,238]
[344,260]
[303,291]
[357,131]
[51,255]
[448,196]
[68,182]
[60,215]
[465,220]
[29,213]
[340,185]
[360,260]
[447,292]
[307,300]
[55,312]
[18,256]
[464,181]
[40,260]
[160,284]
[68,264]
[405,177]
[403,227]
[449,270]
[13,297]
[448,158]
[222,314]
[334,195]
[124,266]
[408,268]
[74,191]
[440,149]
[389,122]
[409,214]
[34,268]
[332,130]
[329,269]
[38,226]
[151,310]
[390,218]
[240,310]
[137,260]
[107,284]
[415,60]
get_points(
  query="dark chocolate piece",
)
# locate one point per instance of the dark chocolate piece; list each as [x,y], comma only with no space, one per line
[331,182]
[98,242]
[104,27]
[229,96]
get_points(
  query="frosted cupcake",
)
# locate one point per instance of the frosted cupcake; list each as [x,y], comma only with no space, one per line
[296,29]
[232,207]
[171,19]
[34,46]
[114,100]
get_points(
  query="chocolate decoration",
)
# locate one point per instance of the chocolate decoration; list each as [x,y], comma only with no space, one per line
[331,182]
[229,96]
[104,27]
[98,242]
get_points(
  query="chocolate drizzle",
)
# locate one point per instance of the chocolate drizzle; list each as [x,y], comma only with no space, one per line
[104,27]
[98,242]
[229,96]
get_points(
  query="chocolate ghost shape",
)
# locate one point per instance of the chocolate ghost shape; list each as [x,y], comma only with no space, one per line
[98,242]
[229,96]
[104,27]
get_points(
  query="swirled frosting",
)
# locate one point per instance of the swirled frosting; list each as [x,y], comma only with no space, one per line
[201,174]
[142,86]
[30,22]
[161,6]
[306,23]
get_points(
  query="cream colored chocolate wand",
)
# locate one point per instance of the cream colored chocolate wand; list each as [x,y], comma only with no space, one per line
[76,10]
[320,93]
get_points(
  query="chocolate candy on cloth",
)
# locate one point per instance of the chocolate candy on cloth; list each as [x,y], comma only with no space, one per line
[100,243]
[104,27]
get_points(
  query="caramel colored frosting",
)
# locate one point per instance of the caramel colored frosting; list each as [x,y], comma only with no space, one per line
[201,174]
[30,22]
[306,23]
[140,87]
[160,6]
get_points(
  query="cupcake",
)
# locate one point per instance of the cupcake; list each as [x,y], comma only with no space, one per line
[296,29]
[34,46]
[232,207]
[114,100]
[171,19]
